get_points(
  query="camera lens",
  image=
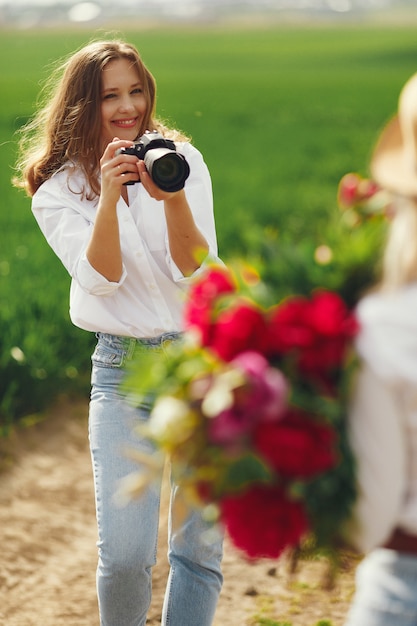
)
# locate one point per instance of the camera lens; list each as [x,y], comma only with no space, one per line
[168,169]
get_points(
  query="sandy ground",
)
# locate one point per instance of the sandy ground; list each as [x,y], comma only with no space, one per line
[48,551]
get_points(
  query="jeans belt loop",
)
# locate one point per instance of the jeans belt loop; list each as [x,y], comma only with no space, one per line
[130,345]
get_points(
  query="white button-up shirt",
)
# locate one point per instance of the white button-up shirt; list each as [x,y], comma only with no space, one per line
[148,299]
[383,417]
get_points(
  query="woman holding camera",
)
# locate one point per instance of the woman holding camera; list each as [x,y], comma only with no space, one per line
[131,251]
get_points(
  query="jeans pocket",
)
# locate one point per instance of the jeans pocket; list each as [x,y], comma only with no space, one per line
[107,356]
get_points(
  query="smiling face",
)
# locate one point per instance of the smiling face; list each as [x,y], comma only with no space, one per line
[123,102]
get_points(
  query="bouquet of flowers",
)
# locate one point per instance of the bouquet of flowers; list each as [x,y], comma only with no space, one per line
[361,199]
[250,411]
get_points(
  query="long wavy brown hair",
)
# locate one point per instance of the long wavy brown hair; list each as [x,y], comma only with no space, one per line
[67,127]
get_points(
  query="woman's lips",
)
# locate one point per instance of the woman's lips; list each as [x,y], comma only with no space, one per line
[125,123]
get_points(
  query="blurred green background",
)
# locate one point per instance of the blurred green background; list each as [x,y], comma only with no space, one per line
[279,113]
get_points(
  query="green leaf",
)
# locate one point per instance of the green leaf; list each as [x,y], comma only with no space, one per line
[247,469]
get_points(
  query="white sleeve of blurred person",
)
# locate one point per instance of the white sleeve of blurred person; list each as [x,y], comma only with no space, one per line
[378,439]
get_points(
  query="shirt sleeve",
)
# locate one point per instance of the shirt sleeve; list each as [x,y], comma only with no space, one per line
[93,282]
[66,224]
[377,437]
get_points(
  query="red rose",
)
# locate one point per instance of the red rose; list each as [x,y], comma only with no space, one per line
[240,328]
[333,326]
[288,327]
[263,521]
[322,360]
[199,309]
[296,446]
[216,281]
[316,332]
[330,316]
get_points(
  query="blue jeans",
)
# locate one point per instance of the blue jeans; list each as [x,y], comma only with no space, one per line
[127,536]
[386,590]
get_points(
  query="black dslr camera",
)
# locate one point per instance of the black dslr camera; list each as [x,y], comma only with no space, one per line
[167,168]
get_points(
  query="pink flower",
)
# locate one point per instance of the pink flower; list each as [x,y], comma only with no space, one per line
[261,397]
[268,389]
[354,189]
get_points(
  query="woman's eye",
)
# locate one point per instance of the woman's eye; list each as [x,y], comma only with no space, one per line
[108,96]
[138,90]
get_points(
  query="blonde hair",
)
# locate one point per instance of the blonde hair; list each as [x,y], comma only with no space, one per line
[67,126]
[399,263]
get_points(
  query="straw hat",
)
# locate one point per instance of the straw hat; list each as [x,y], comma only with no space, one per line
[394,160]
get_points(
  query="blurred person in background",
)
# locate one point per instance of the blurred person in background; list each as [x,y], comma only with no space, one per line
[383,419]
[131,251]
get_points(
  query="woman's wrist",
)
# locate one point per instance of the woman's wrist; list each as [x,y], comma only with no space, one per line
[176,201]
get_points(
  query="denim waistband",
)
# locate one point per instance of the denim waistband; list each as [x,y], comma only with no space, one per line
[131,344]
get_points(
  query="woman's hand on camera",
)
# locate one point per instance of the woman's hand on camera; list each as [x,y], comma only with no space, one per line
[117,169]
[153,190]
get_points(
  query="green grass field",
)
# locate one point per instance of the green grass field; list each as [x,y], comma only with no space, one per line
[280,115]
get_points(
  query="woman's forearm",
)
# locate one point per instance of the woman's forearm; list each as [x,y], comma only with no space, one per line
[187,244]
[103,251]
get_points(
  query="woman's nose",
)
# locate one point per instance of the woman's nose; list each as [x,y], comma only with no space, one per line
[126,104]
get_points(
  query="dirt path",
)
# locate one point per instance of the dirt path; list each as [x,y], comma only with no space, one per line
[48,552]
